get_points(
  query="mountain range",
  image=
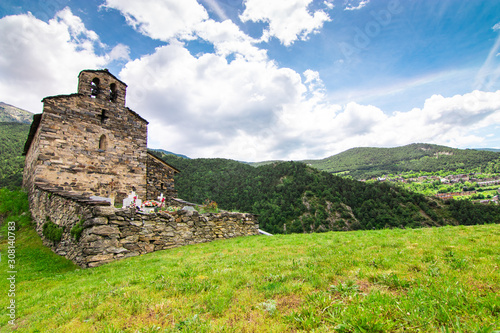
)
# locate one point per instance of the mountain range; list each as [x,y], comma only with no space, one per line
[358,163]
[9,113]
[300,197]
[295,197]
[362,163]
[165,152]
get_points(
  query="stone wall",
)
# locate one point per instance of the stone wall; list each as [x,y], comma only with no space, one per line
[160,179]
[31,160]
[103,90]
[110,233]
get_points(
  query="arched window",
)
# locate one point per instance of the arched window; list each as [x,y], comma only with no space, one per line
[103,142]
[112,92]
[94,87]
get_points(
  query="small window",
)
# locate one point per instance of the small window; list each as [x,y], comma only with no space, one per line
[103,142]
[94,87]
[112,92]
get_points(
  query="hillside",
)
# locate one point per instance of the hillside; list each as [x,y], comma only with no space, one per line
[292,197]
[12,139]
[165,152]
[427,280]
[9,113]
[362,163]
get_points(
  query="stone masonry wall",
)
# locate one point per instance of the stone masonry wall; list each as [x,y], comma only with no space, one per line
[30,163]
[160,179]
[88,143]
[110,233]
[103,92]
[70,156]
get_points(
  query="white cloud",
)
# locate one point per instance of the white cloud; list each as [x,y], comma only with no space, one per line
[496,27]
[205,104]
[119,52]
[329,4]
[324,129]
[289,20]
[248,108]
[254,110]
[361,4]
[40,58]
[214,6]
[489,74]
[162,20]
[173,20]
[228,39]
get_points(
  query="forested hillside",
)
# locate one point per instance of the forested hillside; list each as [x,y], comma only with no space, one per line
[363,163]
[293,197]
[12,139]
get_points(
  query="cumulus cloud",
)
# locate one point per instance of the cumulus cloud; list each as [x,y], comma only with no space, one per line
[228,39]
[254,110]
[251,109]
[289,20]
[119,52]
[206,100]
[162,20]
[40,58]
[244,107]
[172,20]
[449,121]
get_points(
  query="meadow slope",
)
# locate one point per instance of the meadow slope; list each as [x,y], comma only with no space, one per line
[426,280]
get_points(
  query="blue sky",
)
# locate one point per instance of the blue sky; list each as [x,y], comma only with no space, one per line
[270,79]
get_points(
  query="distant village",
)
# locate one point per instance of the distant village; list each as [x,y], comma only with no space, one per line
[482,188]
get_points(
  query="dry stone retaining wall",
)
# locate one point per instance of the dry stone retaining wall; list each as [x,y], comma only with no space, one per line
[109,233]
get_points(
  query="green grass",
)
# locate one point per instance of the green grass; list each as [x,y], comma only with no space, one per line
[14,207]
[427,280]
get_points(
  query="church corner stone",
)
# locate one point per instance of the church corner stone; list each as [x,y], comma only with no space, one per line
[89,147]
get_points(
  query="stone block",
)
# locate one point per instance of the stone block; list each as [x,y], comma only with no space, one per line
[130,239]
[116,250]
[132,247]
[118,220]
[87,238]
[136,223]
[100,220]
[99,257]
[105,230]
[130,254]
[149,248]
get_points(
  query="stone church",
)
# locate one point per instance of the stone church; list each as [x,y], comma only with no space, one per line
[90,144]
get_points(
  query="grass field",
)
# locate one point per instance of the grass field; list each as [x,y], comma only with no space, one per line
[426,280]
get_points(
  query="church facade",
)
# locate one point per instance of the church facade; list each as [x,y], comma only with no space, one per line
[90,144]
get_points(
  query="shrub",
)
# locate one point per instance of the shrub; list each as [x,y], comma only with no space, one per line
[209,207]
[52,231]
[77,230]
